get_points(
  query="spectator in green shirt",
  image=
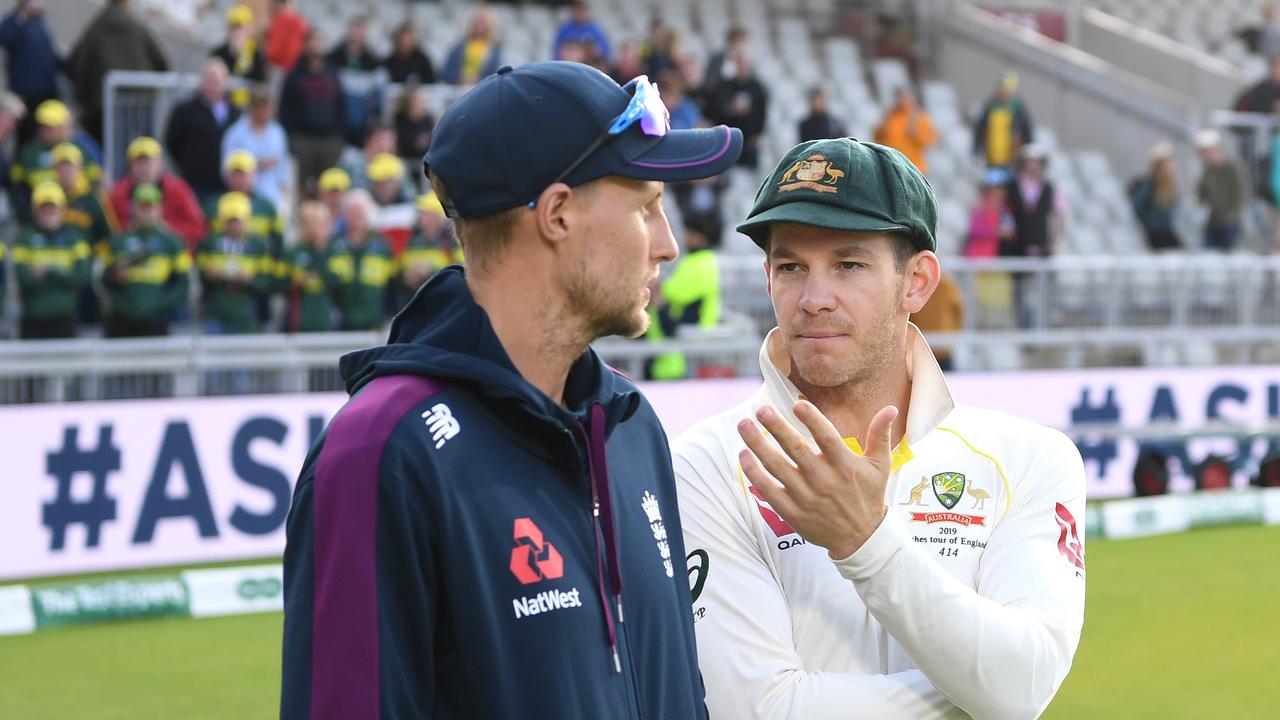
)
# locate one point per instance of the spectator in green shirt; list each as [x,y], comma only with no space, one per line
[51,262]
[240,173]
[432,246]
[145,271]
[333,186]
[87,206]
[235,270]
[387,181]
[311,306]
[88,210]
[361,265]
[690,296]
[35,159]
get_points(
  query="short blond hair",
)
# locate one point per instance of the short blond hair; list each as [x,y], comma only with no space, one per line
[314,208]
[483,239]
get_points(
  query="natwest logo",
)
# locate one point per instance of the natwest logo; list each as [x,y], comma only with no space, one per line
[533,559]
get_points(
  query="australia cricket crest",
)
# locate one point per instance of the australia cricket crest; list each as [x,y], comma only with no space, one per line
[948,487]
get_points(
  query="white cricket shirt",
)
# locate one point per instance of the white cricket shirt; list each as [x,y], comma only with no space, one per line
[967,601]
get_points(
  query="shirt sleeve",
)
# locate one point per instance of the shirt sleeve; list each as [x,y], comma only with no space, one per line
[743,624]
[1026,614]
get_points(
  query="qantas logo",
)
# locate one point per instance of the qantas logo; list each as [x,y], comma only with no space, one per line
[781,528]
[1069,544]
[533,559]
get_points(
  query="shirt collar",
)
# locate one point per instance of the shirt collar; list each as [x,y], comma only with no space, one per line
[930,400]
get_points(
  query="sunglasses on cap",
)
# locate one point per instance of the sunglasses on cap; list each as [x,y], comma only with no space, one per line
[645,108]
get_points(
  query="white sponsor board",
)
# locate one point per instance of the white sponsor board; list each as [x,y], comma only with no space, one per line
[235,591]
[16,615]
[102,486]
[1141,517]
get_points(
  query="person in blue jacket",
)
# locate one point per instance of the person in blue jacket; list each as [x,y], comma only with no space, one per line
[488,528]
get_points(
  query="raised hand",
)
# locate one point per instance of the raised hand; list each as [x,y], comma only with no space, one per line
[831,497]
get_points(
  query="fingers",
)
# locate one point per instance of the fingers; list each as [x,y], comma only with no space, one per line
[769,488]
[766,454]
[880,436]
[789,439]
[824,432]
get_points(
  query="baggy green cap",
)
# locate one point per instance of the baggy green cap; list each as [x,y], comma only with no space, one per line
[846,184]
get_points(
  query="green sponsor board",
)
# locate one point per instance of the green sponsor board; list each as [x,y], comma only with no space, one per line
[97,601]
[1093,521]
[1225,507]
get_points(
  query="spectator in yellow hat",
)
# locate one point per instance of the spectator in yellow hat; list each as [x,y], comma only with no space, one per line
[145,271]
[356,161]
[179,208]
[35,160]
[432,246]
[242,54]
[240,175]
[51,262]
[306,271]
[235,269]
[387,180]
[87,206]
[362,266]
[332,186]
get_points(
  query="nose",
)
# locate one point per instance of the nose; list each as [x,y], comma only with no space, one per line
[817,296]
[662,243]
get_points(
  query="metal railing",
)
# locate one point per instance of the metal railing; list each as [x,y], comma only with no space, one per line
[1177,309]
[192,365]
[139,103]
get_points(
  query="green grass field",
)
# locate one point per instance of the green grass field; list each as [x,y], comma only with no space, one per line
[1182,626]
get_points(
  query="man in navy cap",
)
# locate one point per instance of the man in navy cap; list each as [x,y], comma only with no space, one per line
[465,536]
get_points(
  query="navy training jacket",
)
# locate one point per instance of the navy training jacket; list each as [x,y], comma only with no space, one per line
[445,558]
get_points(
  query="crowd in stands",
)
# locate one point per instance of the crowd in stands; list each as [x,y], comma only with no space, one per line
[279,195]
[284,193]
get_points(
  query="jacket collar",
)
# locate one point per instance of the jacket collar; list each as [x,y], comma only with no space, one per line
[930,400]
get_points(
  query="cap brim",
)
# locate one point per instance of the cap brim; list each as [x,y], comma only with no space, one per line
[687,155]
[815,215]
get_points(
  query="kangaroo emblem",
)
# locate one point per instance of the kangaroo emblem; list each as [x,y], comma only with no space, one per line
[917,493]
[980,497]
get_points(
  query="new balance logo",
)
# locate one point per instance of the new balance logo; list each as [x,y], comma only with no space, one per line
[532,559]
[546,601]
[442,424]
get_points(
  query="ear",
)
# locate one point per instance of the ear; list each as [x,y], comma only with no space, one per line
[922,276]
[768,277]
[554,214]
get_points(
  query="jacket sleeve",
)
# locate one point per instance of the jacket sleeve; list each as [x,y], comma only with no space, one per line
[1025,617]
[366,630]
[743,623]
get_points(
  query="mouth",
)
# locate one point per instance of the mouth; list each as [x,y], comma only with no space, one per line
[820,335]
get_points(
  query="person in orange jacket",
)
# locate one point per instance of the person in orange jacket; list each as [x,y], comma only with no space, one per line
[908,129]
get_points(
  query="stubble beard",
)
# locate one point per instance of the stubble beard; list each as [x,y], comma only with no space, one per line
[874,349]
[605,309]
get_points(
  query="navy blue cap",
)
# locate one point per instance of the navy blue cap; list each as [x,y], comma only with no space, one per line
[503,142]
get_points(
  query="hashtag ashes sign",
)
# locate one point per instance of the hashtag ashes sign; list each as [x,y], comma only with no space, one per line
[1078,401]
[106,486]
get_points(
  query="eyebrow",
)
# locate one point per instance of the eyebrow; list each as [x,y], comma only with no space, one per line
[842,251]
